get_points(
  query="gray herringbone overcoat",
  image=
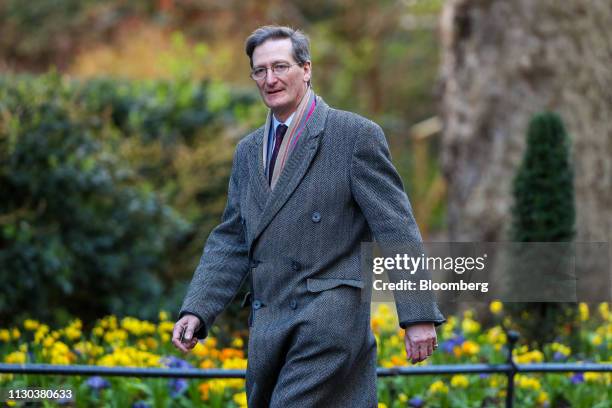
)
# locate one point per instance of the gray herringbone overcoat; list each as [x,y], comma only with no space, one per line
[298,246]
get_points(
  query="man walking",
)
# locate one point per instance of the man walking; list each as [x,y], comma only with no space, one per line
[305,190]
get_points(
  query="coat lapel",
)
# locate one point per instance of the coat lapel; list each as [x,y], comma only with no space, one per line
[294,170]
[259,186]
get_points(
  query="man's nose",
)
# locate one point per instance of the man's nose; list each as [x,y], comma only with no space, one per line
[270,77]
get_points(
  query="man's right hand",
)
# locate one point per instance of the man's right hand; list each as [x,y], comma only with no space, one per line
[190,324]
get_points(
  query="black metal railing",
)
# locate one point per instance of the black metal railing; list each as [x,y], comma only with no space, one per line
[510,369]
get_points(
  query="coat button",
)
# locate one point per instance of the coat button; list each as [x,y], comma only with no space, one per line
[256,304]
[295,265]
[316,217]
[293,304]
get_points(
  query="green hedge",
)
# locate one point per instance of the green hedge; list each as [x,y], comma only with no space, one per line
[108,189]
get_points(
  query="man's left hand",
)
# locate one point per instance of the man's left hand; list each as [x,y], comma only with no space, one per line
[421,341]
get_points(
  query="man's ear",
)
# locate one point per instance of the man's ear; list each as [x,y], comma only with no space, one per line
[307,70]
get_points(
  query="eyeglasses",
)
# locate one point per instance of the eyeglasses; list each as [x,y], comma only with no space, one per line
[278,69]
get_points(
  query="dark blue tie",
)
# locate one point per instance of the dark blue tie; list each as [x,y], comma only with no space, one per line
[278,139]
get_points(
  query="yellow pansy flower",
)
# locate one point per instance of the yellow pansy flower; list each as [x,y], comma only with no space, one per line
[72,333]
[130,357]
[496,307]
[6,378]
[59,353]
[459,381]
[238,343]
[604,310]
[15,333]
[137,327]
[165,327]
[449,327]
[438,387]
[207,364]
[30,324]
[218,386]
[151,343]
[204,389]
[200,350]
[16,357]
[240,399]
[494,381]
[542,398]
[376,324]
[470,326]
[115,336]
[583,311]
[496,335]
[596,340]
[88,348]
[235,364]
[470,348]
[534,356]
[561,348]
[592,377]
[48,342]
[523,381]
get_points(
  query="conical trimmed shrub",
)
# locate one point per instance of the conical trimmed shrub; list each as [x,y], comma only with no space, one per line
[543,211]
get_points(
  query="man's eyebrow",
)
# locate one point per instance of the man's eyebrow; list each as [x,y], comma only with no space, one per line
[273,63]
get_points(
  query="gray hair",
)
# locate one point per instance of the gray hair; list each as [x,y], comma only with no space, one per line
[299,41]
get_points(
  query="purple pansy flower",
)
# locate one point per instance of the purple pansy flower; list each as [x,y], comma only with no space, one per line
[177,386]
[447,346]
[577,378]
[416,402]
[450,344]
[175,362]
[97,383]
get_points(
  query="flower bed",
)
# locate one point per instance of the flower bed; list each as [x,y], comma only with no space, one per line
[130,342]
